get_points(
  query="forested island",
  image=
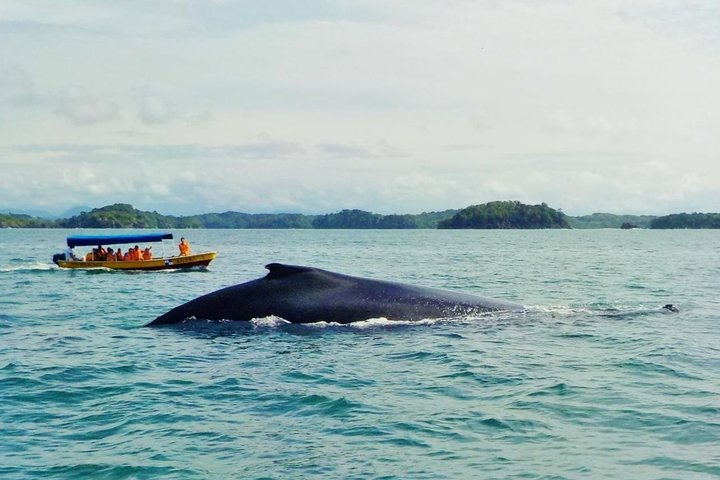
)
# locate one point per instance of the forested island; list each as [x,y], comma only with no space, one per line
[506,215]
[492,215]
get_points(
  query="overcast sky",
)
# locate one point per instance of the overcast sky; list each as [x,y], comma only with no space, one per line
[311,106]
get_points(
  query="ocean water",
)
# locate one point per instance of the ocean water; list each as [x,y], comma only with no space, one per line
[591,381]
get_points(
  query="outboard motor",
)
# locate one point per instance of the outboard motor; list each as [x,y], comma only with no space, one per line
[57,257]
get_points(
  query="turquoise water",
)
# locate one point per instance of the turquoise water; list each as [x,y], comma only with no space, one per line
[559,391]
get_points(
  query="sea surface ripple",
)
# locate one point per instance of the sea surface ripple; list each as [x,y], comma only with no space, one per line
[566,389]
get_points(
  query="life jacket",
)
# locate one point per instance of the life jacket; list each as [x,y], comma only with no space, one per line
[184,249]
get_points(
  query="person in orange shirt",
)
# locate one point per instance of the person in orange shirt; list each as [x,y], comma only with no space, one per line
[184,247]
[118,255]
[147,254]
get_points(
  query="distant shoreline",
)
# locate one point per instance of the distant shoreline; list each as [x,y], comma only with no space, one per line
[492,215]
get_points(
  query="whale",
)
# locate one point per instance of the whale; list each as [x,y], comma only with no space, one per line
[300,294]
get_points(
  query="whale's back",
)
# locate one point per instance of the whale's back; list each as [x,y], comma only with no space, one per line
[305,294]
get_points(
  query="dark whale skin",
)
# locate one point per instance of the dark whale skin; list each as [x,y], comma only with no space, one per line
[306,295]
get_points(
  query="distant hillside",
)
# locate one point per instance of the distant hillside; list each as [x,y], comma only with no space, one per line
[247,220]
[608,220]
[125,216]
[362,219]
[501,214]
[11,220]
[687,220]
[506,215]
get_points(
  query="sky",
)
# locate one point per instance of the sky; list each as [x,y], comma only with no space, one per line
[390,106]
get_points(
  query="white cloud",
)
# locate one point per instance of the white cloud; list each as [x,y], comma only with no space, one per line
[84,108]
[390,106]
[153,108]
[16,87]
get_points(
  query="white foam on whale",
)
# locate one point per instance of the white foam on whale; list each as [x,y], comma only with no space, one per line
[273,321]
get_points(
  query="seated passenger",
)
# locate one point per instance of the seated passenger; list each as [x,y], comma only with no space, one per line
[147,254]
[110,255]
[100,253]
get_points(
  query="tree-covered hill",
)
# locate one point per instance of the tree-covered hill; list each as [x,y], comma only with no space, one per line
[506,215]
[120,215]
[687,220]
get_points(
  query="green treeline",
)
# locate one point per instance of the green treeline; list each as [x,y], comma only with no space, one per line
[506,215]
[24,221]
[361,219]
[609,220]
[687,220]
[492,215]
[125,216]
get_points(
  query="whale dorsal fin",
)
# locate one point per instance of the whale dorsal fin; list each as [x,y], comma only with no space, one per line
[279,270]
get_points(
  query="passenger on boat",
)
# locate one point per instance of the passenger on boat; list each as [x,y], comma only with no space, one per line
[184,247]
[110,255]
[118,255]
[147,254]
[128,255]
[99,254]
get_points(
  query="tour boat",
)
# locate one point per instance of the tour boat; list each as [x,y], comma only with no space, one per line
[70,260]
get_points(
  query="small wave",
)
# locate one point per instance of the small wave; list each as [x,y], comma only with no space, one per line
[29,267]
[558,389]
[107,470]
[558,310]
[118,271]
[676,463]
[620,311]
[645,368]
[406,442]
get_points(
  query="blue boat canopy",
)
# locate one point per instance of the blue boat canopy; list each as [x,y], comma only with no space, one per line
[94,240]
